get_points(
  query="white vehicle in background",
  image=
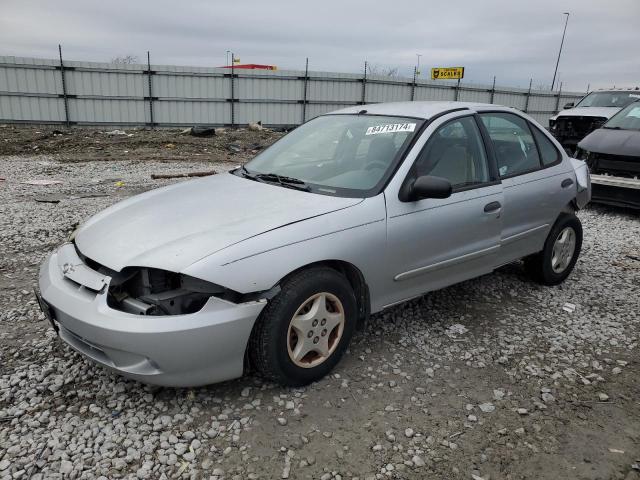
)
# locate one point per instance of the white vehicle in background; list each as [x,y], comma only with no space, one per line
[577,121]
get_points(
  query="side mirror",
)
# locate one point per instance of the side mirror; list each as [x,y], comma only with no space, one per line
[430,187]
[568,105]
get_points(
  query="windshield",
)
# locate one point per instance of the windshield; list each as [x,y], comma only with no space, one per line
[626,119]
[345,155]
[609,99]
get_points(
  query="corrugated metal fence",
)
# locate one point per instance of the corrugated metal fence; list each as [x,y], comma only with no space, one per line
[36,90]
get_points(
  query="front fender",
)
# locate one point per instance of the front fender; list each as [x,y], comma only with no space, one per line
[356,235]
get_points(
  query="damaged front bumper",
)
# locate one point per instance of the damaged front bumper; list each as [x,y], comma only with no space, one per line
[616,191]
[199,348]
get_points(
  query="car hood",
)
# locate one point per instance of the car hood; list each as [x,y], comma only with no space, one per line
[175,226]
[612,142]
[606,112]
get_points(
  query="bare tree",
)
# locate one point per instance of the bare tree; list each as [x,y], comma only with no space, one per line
[381,70]
[125,60]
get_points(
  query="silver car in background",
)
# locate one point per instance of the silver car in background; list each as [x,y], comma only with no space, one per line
[276,263]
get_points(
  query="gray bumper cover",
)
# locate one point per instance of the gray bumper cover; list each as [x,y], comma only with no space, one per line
[179,350]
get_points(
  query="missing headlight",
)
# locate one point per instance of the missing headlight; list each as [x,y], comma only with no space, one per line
[151,291]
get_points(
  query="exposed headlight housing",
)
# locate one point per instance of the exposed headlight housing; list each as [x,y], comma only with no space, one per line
[151,291]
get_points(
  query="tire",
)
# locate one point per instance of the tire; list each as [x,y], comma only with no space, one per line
[544,267]
[276,344]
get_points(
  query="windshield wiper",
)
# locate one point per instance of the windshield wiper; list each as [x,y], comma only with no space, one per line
[288,182]
[279,178]
[283,180]
[247,174]
[613,128]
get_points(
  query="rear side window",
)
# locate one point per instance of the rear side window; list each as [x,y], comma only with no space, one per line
[516,151]
[548,152]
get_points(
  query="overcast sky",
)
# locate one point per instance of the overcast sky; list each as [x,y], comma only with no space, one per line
[512,39]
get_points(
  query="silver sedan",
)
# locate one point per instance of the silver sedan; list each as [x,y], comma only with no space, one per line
[276,263]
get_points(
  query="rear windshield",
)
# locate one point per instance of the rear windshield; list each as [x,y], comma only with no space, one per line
[609,99]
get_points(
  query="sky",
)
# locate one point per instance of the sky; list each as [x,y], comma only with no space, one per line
[515,40]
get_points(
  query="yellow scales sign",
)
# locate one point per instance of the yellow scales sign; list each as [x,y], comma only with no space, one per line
[447,73]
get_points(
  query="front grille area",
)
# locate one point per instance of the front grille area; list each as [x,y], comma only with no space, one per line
[92,264]
[575,128]
[616,165]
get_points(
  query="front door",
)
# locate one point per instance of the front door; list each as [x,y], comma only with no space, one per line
[433,243]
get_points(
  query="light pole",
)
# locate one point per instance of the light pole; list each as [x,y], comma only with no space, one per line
[418,66]
[226,56]
[560,51]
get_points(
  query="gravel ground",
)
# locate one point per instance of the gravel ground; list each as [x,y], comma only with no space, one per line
[495,378]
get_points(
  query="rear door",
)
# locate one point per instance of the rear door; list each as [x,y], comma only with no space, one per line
[433,243]
[534,182]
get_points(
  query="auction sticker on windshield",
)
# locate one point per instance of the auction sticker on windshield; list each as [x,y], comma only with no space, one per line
[391,128]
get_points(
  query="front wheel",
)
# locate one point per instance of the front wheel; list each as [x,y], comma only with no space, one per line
[555,262]
[303,332]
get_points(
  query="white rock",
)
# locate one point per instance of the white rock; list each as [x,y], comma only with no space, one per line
[66,467]
[487,407]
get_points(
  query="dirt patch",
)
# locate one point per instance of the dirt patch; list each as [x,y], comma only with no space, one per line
[137,144]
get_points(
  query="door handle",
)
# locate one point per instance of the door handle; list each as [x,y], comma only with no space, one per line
[492,207]
[567,182]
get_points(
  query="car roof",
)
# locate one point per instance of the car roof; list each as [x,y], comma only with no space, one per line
[424,110]
[616,90]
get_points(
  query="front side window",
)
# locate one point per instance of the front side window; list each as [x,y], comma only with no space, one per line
[608,99]
[455,151]
[344,155]
[515,149]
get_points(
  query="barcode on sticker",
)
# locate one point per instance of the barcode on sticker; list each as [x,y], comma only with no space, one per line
[391,128]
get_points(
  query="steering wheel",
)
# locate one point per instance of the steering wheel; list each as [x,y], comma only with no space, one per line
[376,164]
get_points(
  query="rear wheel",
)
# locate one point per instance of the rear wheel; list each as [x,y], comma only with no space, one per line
[303,332]
[555,262]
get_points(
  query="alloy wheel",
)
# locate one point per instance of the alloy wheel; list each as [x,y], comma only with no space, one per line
[315,330]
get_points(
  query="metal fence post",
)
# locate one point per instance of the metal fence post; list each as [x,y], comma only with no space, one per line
[526,103]
[457,88]
[413,85]
[493,89]
[151,122]
[233,113]
[304,92]
[64,89]
[558,98]
[364,84]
